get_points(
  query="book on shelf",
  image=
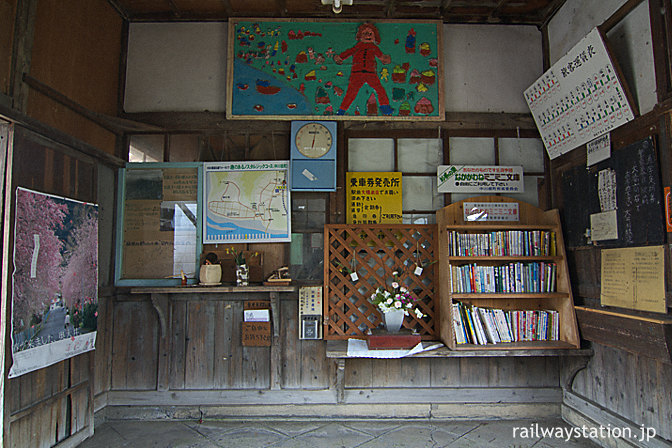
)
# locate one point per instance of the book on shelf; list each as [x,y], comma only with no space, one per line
[529,277]
[530,243]
[486,325]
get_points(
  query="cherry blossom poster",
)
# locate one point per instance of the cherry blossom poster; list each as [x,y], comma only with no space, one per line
[55,280]
[368,70]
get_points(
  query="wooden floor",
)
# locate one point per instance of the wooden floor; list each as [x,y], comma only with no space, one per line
[325,433]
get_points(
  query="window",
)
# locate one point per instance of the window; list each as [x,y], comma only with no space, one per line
[158,236]
[418,158]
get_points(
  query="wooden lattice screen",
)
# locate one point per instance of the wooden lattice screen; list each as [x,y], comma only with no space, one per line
[374,252]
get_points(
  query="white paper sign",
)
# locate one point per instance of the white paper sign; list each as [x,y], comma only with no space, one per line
[604,226]
[491,211]
[256,316]
[606,189]
[418,270]
[354,277]
[598,149]
[480,179]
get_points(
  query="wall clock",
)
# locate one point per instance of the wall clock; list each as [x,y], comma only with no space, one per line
[313,155]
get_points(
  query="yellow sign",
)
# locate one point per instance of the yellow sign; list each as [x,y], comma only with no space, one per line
[373,198]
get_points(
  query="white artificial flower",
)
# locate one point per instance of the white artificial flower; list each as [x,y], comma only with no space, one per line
[419,314]
[395,273]
[409,305]
[403,289]
[395,285]
[397,304]
[387,294]
[388,301]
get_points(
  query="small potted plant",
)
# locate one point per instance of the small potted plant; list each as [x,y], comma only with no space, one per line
[395,304]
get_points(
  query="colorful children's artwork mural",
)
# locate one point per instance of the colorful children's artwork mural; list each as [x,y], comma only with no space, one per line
[354,70]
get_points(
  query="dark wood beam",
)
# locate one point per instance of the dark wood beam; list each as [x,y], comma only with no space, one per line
[22,49]
[619,15]
[120,9]
[215,122]
[495,11]
[282,8]
[550,12]
[174,9]
[113,124]
[226,4]
[445,6]
[60,137]
[390,9]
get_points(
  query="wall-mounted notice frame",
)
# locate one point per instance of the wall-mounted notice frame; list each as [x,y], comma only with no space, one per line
[246,202]
[634,277]
[336,69]
[159,226]
[579,98]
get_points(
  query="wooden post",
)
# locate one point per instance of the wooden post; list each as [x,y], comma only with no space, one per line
[161,305]
[276,355]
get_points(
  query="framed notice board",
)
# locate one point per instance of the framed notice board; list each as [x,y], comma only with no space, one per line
[638,191]
[159,228]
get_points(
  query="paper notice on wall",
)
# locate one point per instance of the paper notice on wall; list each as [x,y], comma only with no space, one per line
[606,188]
[257,316]
[598,149]
[604,226]
[634,277]
[36,253]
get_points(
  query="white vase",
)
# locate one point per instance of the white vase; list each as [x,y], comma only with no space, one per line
[393,320]
[242,275]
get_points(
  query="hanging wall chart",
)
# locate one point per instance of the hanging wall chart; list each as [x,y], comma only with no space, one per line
[307,69]
[580,97]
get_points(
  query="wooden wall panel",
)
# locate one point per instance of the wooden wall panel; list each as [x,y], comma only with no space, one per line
[76,51]
[135,346]
[456,372]
[7,16]
[635,387]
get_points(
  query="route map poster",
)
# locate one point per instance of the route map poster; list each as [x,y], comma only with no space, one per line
[246,202]
[55,280]
[378,70]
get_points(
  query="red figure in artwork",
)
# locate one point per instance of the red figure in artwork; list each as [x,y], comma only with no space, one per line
[364,71]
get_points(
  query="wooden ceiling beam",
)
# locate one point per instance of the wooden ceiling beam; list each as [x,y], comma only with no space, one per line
[123,12]
[174,9]
[495,11]
[228,10]
[282,7]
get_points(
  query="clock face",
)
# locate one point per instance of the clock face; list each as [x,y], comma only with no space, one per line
[313,140]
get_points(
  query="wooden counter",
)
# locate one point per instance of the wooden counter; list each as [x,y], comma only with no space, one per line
[574,360]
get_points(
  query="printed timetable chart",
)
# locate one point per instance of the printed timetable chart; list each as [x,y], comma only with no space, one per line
[579,98]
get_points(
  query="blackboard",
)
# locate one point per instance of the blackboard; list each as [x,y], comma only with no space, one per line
[638,194]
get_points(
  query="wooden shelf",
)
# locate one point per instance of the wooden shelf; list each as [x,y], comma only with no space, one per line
[198,289]
[451,218]
[339,349]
